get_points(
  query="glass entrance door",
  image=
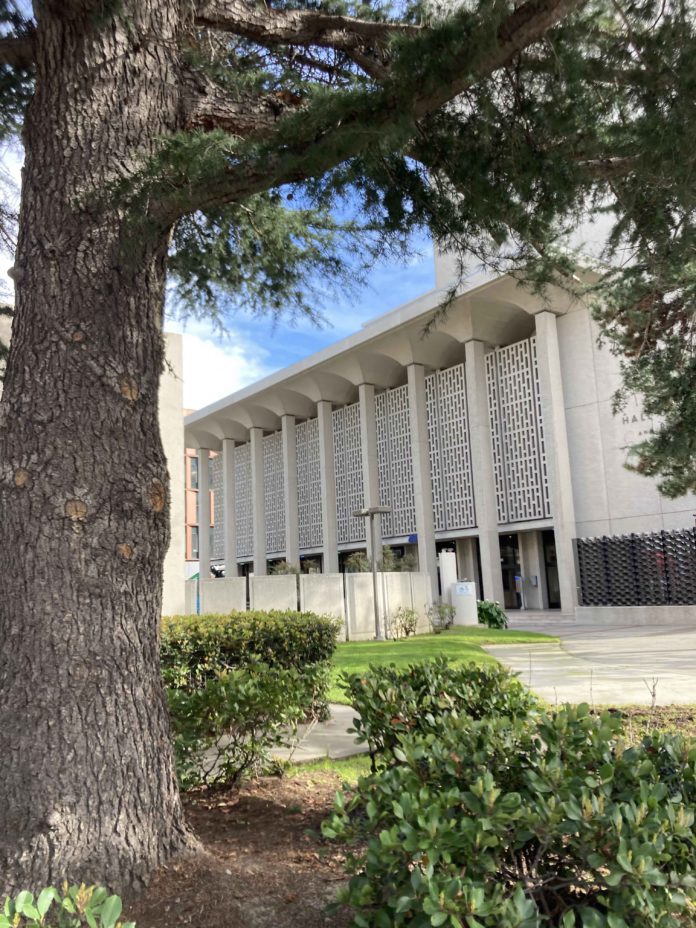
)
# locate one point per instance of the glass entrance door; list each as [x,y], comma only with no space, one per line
[510,568]
[551,563]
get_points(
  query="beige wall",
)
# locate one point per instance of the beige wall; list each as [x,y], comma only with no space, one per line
[172,428]
[608,498]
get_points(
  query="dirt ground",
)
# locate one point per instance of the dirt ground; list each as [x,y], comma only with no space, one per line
[260,867]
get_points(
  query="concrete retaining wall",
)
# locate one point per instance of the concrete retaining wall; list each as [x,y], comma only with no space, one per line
[191,596]
[635,615]
[277,591]
[324,594]
[223,595]
[411,590]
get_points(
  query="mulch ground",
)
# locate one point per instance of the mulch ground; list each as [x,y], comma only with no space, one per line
[263,864]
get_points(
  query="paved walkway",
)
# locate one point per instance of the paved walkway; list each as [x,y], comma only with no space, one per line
[325,739]
[605,666]
[600,666]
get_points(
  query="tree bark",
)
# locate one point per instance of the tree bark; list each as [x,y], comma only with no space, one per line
[88,790]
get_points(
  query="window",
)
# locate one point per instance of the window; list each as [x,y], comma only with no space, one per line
[194,542]
[194,473]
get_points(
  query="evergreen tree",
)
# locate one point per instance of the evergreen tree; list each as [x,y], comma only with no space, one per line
[214,140]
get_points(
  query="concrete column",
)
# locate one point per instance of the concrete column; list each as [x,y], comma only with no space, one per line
[258,501]
[466,561]
[328,488]
[482,473]
[557,457]
[204,513]
[228,508]
[368,440]
[422,482]
[532,565]
[292,527]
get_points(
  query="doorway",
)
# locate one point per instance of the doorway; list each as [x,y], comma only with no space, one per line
[511,571]
[548,540]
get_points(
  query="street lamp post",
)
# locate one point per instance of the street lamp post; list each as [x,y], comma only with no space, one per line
[370,513]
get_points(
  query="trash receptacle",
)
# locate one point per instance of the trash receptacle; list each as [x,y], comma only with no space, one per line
[464,601]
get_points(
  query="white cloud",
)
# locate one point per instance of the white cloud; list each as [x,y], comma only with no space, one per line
[214,368]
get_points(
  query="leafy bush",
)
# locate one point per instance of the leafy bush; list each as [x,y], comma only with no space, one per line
[195,648]
[491,614]
[358,563]
[226,729]
[74,907]
[403,623]
[237,683]
[441,616]
[549,820]
[392,702]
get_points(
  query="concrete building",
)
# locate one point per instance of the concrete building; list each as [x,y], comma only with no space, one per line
[492,435]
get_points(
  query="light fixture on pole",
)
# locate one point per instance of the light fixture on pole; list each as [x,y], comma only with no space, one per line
[370,513]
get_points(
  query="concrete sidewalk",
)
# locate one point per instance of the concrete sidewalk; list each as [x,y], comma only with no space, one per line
[604,665]
[325,739]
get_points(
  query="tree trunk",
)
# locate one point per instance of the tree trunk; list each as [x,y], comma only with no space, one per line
[88,791]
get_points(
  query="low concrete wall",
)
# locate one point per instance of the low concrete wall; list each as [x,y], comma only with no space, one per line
[635,615]
[191,596]
[421,599]
[223,595]
[273,592]
[324,594]
[394,589]
[360,607]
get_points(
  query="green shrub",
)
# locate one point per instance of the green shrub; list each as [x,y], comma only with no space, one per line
[403,623]
[491,614]
[549,820]
[392,702]
[225,730]
[195,648]
[74,907]
[441,616]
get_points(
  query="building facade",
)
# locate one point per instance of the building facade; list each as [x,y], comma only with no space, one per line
[492,435]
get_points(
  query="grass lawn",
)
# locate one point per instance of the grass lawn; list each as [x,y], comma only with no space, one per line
[459,645]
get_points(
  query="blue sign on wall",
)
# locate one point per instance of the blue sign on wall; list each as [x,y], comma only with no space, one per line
[413,539]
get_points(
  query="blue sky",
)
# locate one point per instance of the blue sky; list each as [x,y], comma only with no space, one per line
[215,365]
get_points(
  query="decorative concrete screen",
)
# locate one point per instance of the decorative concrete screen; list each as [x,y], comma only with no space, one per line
[243,512]
[449,448]
[393,590]
[350,494]
[519,455]
[274,492]
[217,549]
[323,594]
[395,469]
[308,484]
[656,569]
[274,592]
[223,595]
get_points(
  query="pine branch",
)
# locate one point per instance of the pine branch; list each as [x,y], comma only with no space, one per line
[318,141]
[17,51]
[207,105]
[298,27]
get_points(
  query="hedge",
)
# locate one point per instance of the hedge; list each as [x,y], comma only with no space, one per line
[196,648]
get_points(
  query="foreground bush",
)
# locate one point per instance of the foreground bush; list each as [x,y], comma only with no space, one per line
[549,820]
[227,729]
[74,907]
[392,702]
